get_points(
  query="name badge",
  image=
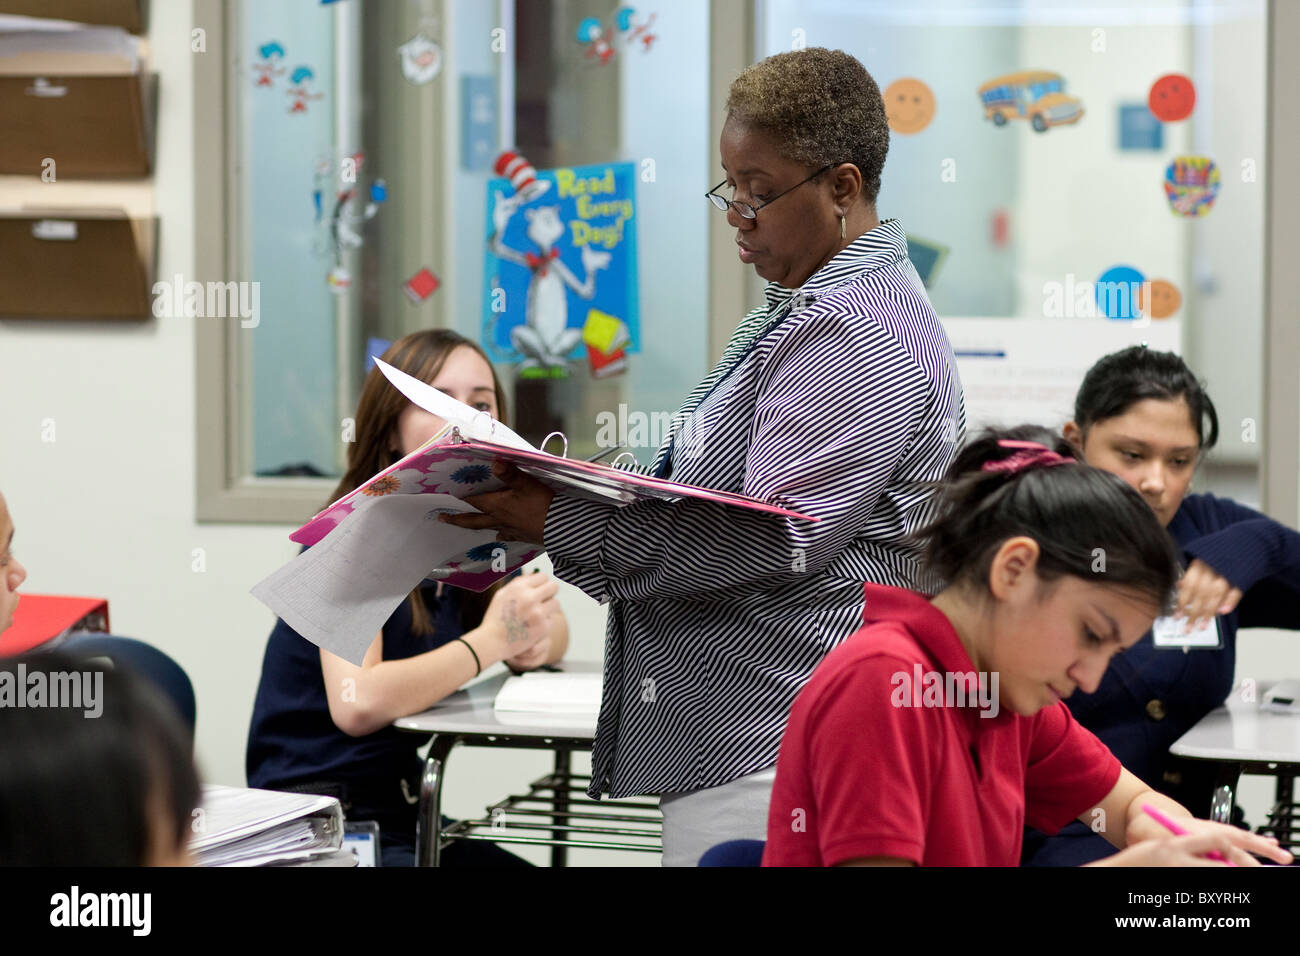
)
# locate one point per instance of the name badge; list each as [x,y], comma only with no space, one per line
[1176,632]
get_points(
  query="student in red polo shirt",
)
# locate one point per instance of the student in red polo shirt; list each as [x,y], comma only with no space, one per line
[938,730]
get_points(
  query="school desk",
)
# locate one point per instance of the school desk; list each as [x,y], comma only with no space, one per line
[555,811]
[1242,738]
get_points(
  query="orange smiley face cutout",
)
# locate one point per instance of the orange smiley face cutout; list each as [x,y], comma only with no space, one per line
[909,105]
[1165,299]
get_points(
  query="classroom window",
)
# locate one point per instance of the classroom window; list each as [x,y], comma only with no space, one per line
[363,139]
[1021,198]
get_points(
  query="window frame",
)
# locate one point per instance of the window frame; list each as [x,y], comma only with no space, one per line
[221,495]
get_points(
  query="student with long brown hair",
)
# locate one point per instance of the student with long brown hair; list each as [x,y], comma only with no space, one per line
[321,724]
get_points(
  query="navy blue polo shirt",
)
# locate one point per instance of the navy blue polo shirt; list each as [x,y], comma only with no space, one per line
[1150,696]
[293,740]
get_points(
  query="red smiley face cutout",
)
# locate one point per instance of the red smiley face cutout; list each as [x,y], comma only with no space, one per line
[1172,98]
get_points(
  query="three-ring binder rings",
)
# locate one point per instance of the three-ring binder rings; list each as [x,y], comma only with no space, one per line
[372,546]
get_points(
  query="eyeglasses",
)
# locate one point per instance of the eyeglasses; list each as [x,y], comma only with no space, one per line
[751,212]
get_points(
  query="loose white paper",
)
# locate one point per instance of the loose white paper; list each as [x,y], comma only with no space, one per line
[339,593]
[472,422]
[543,692]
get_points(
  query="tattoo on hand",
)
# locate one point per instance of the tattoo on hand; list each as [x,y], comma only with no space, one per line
[516,631]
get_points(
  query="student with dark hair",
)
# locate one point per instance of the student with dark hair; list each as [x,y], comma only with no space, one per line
[322,724]
[939,728]
[1144,416]
[99,774]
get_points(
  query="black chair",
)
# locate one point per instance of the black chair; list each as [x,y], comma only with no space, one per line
[735,853]
[142,659]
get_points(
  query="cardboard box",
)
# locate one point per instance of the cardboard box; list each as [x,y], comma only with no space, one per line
[127,14]
[91,126]
[76,264]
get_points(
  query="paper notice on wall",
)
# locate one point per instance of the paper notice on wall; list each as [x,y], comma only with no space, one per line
[1019,371]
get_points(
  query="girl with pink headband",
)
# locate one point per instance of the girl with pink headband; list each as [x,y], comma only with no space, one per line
[932,735]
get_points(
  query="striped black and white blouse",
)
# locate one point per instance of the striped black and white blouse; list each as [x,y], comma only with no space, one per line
[837,400]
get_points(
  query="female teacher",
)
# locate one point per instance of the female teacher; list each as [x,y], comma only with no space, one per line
[839,399]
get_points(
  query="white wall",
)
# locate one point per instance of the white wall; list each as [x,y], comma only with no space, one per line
[1227,259]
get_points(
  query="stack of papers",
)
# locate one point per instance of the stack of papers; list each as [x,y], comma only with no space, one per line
[542,692]
[239,827]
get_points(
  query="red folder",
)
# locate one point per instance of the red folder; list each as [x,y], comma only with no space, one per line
[42,617]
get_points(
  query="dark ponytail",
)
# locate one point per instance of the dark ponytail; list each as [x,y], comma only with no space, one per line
[1084,519]
[1122,379]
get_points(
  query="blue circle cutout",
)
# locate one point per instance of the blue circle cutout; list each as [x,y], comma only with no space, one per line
[1118,292]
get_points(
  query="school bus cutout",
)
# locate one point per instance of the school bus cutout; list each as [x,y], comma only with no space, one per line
[1036,95]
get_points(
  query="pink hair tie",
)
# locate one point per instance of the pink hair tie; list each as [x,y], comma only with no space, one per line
[1031,453]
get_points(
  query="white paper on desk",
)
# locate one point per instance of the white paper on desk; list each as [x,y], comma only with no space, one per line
[543,692]
[472,422]
[339,593]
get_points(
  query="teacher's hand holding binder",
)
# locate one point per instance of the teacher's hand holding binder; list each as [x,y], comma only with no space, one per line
[518,512]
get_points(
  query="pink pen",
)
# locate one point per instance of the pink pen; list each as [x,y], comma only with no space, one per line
[1176,830]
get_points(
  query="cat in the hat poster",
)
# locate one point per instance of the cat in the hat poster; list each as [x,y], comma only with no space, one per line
[560,274]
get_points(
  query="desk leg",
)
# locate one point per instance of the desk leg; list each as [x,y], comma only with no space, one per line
[1282,819]
[1285,788]
[560,854]
[428,825]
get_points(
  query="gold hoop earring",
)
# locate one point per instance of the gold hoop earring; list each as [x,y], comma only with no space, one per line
[843,228]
